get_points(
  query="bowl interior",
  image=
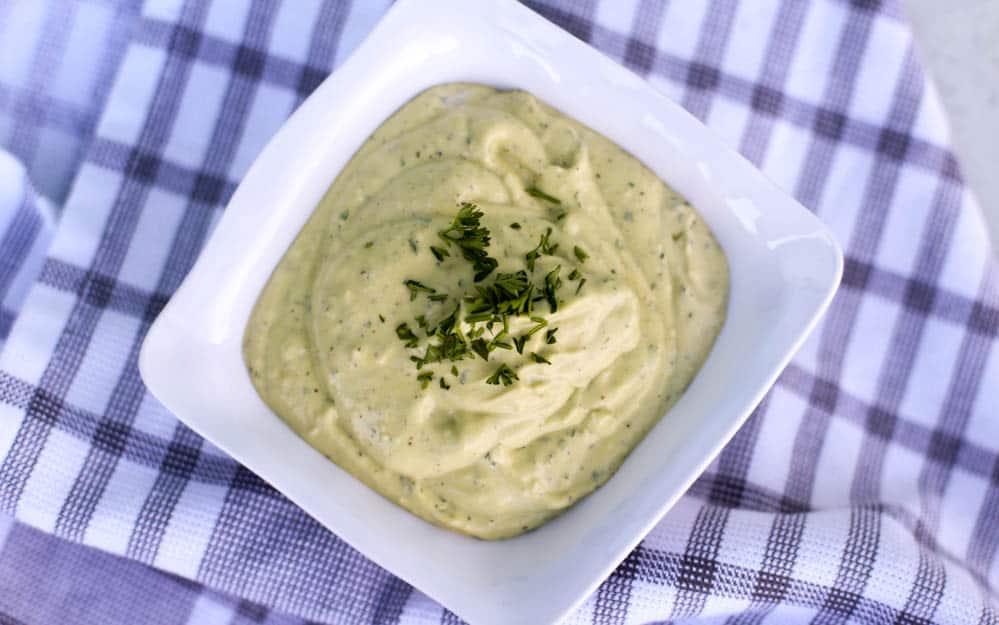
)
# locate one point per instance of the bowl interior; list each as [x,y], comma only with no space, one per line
[784,268]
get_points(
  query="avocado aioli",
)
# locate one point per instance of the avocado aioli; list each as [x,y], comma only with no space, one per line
[487,404]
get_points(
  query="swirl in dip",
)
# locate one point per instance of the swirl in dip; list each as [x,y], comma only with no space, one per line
[468,443]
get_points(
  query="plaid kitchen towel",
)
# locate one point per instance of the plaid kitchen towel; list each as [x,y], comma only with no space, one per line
[45,580]
[26,226]
[865,488]
[58,60]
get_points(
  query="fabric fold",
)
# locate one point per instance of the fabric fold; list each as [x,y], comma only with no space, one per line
[26,228]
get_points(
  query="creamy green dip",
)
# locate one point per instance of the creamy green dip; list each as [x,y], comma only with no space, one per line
[489,460]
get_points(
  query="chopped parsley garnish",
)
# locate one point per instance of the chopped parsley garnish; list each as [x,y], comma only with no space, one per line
[480,347]
[424,378]
[369,245]
[510,294]
[415,288]
[518,343]
[467,233]
[541,195]
[498,342]
[503,375]
[453,346]
[544,248]
[406,335]
[541,323]
[480,321]
[552,284]
[538,358]
[579,287]
[439,253]
[447,323]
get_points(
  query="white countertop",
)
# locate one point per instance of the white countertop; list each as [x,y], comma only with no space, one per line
[958,42]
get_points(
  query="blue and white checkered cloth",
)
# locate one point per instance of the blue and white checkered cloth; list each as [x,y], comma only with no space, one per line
[864,489]
[26,226]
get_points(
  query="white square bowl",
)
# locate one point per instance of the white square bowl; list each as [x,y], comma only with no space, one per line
[785,268]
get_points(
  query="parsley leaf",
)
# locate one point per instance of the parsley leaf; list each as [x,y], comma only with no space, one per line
[543,248]
[424,378]
[552,283]
[503,375]
[416,288]
[406,335]
[468,234]
[541,195]
[550,336]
